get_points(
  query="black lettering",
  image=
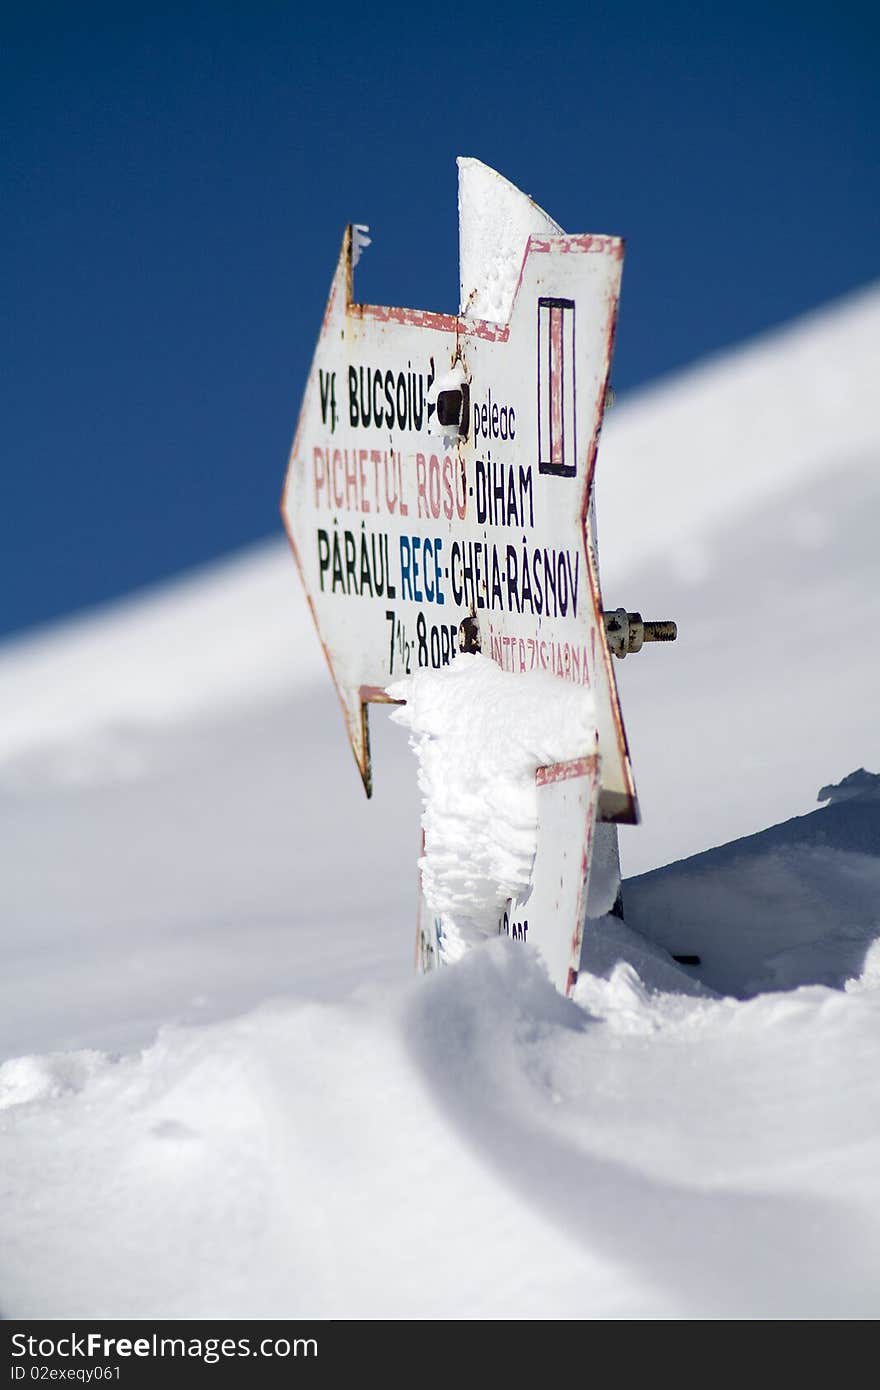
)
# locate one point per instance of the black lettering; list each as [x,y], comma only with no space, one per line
[469,597]
[366,580]
[573,580]
[563,584]
[480,482]
[337,564]
[512,581]
[525,491]
[537,561]
[455,572]
[323,556]
[405,575]
[550,582]
[354,414]
[325,380]
[513,518]
[497,597]
[526,582]
[496,500]
[350,562]
[364,398]
[391,590]
[377,555]
[418,411]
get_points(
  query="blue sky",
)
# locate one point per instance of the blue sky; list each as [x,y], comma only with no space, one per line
[176,182]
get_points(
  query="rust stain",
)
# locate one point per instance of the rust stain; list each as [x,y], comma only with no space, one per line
[629,812]
[377,695]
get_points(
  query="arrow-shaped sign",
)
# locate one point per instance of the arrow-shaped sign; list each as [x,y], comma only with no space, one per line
[442,470]
[439,491]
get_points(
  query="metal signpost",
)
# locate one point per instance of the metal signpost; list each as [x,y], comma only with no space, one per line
[439,499]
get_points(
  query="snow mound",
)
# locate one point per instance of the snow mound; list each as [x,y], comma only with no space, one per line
[793,905]
[472,1139]
[27,1079]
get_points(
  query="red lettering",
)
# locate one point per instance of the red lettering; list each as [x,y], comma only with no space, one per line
[375,460]
[320,469]
[338,494]
[391,499]
[363,455]
[420,484]
[447,487]
[434,485]
[351,479]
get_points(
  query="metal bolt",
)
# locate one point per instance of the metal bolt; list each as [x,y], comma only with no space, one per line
[469,635]
[626,632]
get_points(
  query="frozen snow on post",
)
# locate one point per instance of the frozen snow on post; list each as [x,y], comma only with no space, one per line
[481,735]
[495,221]
[439,500]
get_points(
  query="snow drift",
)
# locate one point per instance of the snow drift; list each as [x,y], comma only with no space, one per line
[223,1094]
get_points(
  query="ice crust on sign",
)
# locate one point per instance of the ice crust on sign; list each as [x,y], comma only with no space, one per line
[480,734]
[495,221]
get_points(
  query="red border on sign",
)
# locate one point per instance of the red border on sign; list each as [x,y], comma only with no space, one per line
[561,772]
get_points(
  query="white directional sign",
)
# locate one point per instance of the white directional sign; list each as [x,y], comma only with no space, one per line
[440,481]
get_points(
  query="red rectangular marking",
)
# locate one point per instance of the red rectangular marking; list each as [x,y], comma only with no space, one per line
[557,377]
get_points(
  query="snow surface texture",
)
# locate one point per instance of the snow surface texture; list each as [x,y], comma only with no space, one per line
[473,1135]
[185,848]
[480,734]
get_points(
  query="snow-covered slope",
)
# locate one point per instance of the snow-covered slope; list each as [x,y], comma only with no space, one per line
[796,904]
[185,847]
[741,498]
